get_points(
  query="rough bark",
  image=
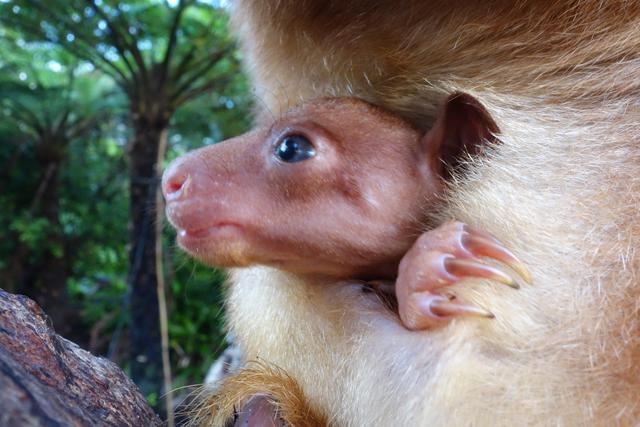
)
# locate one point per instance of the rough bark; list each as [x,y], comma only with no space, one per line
[49,381]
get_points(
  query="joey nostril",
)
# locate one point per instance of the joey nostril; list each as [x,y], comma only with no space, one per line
[174,184]
[174,187]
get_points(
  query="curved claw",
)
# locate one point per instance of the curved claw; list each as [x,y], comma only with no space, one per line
[466,267]
[483,245]
[446,308]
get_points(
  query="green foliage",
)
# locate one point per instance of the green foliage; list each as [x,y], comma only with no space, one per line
[178,50]
[195,330]
[61,63]
[31,231]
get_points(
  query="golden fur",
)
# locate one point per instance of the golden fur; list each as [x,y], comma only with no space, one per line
[561,79]
[257,378]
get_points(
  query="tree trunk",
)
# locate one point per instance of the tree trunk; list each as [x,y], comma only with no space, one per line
[48,381]
[49,287]
[42,273]
[146,347]
[15,277]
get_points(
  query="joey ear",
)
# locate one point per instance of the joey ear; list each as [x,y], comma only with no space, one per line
[463,127]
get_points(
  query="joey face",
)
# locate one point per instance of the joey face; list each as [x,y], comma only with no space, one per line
[335,187]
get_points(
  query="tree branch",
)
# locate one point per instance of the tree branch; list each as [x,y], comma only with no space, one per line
[173,38]
[81,126]
[77,30]
[63,120]
[131,45]
[53,382]
[88,54]
[182,66]
[197,74]
[26,115]
[119,40]
[103,64]
[200,90]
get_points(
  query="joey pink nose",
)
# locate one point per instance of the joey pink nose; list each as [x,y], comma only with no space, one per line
[174,180]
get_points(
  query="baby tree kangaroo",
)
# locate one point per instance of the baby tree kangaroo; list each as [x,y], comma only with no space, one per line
[339,189]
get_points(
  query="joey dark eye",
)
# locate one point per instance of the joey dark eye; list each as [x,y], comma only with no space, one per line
[295,148]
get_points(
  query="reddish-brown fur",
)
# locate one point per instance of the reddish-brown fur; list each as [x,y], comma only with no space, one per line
[561,79]
[257,379]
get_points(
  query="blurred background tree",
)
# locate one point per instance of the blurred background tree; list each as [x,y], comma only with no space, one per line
[95,97]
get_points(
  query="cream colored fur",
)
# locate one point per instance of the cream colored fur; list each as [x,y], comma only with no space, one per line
[562,189]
